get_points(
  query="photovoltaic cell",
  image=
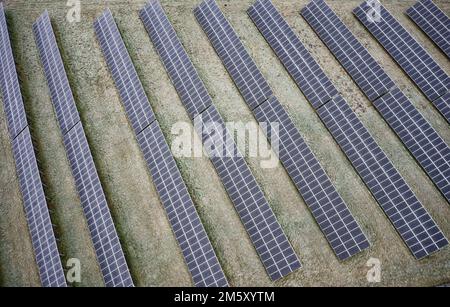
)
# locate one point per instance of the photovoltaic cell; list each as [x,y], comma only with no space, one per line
[430,150]
[330,211]
[186,224]
[416,133]
[259,220]
[271,243]
[407,52]
[433,21]
[104,236]
[308,75]
[443,104]
[189,231]
[9,83]
[42,236]
[124,73]
[356,60]
[60,91]
[407,214]
[101,226]
[181,70]
[237,61]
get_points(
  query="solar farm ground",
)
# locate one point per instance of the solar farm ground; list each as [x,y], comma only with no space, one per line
[151,250]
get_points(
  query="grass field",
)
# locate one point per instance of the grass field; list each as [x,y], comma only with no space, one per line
[151,250]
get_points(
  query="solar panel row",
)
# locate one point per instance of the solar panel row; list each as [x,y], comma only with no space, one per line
[43,239]
[343,233]
[409,54]
[101,226]
[9,83]
[271,243]
[433,21]
[421,139]
[187,227]
[407,214]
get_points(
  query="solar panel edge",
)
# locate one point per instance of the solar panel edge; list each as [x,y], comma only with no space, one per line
[271,99]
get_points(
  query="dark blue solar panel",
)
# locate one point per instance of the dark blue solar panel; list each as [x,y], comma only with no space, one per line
[356,60]
[9,83]
[408,53]
[409,217]
[433,21]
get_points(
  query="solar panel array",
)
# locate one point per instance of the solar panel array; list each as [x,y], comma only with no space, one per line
[272,245]
[414,130]
[407,214]
[43,239]
[186,224]
[361,66]
[409,54]
[101,226]
[433,21]
[342,231]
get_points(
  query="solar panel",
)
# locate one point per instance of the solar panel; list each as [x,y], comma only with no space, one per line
[433,21]
[314,84]
[407,52]
[416,133]
[330,211]
[124,73]
[238,62]
[270,242]
[186,224]
[101,226]
[412,221]
[356,60]
[9,83]
[177,62]
[40,226]
[60,91]
[189,231]
[104,236]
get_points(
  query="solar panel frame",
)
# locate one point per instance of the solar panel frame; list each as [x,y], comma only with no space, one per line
[443,104]
[408,216]
[243,70]
[100,223]
[305,71]
[266,234]
[38,217]
[9,83]
[433,22]
[407,52]
[197,250]
[353,56]
[421,139]
[331,213]
[188,229]
[135,101]
[60,91]
[182,70]
[233,171]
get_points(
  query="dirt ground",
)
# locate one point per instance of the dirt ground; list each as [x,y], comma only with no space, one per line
[151,250]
